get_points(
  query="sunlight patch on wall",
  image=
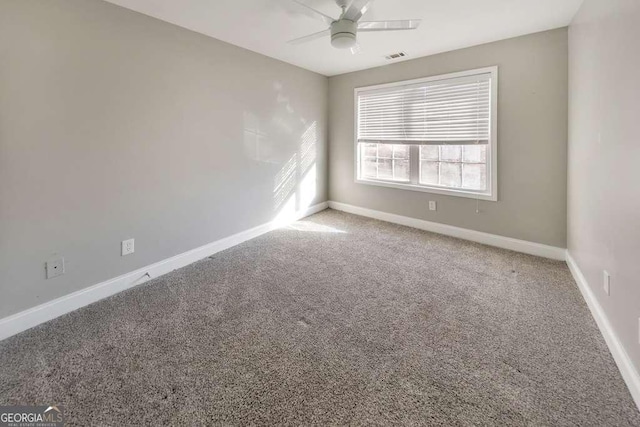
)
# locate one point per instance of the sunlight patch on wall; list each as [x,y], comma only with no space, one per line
[288,212]
[295,184]
[308,188]
[285,181]
[308,147]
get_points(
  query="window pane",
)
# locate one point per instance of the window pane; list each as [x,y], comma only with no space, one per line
[474,176]
[451,174]
[385,150]
[451,153]
[430,152]
[401,170]
[464,168]
[371,150]
[369,168]
[385,162]
[429,172]
[401,152]
[385,169]
[475,154]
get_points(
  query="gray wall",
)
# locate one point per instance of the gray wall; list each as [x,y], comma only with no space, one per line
[115,125]
[532,140]
[604,156]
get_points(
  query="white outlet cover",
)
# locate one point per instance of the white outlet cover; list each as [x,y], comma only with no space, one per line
[128,247]
[54,267]
[432,205]
[606,282]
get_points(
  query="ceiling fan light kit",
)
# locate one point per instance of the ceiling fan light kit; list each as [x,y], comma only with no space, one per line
[344,30]
[343,34]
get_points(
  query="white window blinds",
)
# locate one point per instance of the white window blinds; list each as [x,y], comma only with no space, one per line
[453,111]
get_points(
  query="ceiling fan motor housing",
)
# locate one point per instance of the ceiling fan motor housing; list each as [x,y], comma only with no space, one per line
[343,34]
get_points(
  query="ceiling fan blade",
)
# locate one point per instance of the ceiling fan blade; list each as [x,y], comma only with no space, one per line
[310,37]
[356,9]
[316,13]
[404,24]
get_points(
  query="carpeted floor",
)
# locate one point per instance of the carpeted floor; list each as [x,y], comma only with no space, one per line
[336,319]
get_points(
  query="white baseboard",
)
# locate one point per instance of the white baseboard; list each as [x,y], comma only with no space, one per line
[27,319]
[622,359]
[523,246]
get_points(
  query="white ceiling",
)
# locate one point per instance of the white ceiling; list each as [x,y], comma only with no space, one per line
[264,26]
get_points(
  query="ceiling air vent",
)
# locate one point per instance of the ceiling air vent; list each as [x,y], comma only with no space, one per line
[395,55]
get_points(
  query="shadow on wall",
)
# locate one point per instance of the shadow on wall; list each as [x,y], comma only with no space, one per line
[287,144]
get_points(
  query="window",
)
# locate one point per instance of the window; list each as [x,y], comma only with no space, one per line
[436,134]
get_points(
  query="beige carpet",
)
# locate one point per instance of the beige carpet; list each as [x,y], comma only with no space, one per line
[337,319]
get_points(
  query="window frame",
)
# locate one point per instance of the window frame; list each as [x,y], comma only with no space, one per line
[414,158]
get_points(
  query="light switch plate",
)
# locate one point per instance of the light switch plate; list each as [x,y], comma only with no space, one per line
[432,205]
[128,247]
[54,267]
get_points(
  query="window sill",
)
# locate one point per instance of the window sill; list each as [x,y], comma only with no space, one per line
[434,190]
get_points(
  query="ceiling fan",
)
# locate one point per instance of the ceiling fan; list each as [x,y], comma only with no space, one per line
[344,29]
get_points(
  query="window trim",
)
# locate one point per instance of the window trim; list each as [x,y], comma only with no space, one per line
[492,158]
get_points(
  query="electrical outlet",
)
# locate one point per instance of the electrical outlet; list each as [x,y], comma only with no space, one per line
[432,205]
[606,282]
[54,267]
[128,247]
